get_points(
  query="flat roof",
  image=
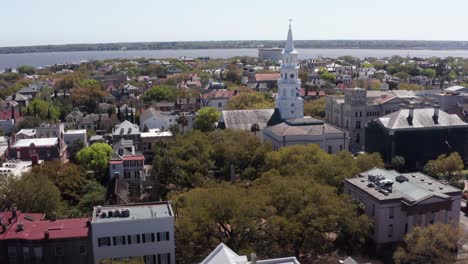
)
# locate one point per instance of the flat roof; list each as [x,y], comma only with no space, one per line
[38,142]
[135,212]
[415,187]
[75,131]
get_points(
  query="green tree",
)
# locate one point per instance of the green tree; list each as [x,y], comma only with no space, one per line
[410,86]
[250,100]
[25,69]
[398,163]
[95,157]
[430,73]
[73,149]
[182,121]
[402,75]
[206,119]
[434,244]
[448,167]
[159,93]
[367,161]
[328,76]
[42,109]
[315,108]
[175,129]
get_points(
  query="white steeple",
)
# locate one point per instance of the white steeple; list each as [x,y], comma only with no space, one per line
[289,101]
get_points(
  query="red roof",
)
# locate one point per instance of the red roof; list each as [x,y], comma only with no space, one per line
[115,161]
[267,77]
[34,227]
[133,158]
[224,93]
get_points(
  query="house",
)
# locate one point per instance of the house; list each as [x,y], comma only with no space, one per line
[21,99]
[303,131]
[26,133]
[9,109]
[46,130]
[127,131]
[134,231]
[31,90]
[111,79]
[398,202]
[71,136]
[266,81]
[127,164]
[223,255]
[218,99]
[75,116]
[37,149]
[30,238]
[149,140]
[418,135]
[153,119]
[96,122]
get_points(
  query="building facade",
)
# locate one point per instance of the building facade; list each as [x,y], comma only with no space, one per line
[418,135]
[353,110]
[37,149]
[134,230]
[398,202]
[30,238]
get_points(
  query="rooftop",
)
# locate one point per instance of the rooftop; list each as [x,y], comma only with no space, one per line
[38,142]
[244,119]
[75,131]
[267,77]
[422,118]
[409,187]
[126,128]
[156,133]
[118,213]
[303,126]
[34,227]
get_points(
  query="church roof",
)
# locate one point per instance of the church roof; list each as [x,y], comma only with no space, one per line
[244,119]
[301,129]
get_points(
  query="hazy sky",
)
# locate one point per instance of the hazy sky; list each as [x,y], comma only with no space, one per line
[33,22]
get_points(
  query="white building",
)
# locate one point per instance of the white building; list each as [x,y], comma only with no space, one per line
[134,230]
[303,131]
[224,255]
[289,101]
[46,130]
[16,167]
[154,119]
[397,202]
[26,134]
[71,136]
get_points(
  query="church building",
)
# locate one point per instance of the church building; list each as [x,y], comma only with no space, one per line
[295,128]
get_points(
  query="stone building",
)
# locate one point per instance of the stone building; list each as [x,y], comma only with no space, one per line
[353,110]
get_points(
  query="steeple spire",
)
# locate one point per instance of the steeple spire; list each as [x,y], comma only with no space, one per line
[289,42]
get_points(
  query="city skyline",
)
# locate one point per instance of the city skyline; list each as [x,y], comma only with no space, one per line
[66,22]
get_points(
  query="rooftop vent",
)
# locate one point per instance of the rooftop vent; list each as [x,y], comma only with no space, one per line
[20,227]
[401,179]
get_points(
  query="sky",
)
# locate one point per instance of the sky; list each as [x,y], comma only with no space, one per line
[38,22]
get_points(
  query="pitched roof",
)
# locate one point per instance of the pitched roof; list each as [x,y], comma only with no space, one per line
[244,119]
[267,77]
[219,94]
[126,128]
[312,129]
[38,142]
[34,227]
[422,118]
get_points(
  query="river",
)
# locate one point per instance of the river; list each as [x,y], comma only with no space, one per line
[50,58]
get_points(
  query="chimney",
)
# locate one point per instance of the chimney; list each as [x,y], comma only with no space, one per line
[435,117]
[20,227]
[46,234]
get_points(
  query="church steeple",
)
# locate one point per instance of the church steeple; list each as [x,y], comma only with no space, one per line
[289,101]
[289,42]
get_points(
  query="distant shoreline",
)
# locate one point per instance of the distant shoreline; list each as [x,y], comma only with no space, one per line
[254,44]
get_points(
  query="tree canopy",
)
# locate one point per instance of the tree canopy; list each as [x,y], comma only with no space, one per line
[434,244]
[206,119]
[250,100]
[447,167]
[95,157]
[160,93]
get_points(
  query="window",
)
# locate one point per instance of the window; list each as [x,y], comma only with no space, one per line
[390,230]
[48,153]
[127,175]
[163,236]
[292,92]
[358,138]
[392,213]
[38,252]
[220,105]
[358,124]
[291,76]
[83,250]
[113,166]
[355,114]
[329,149]
[406,228]
[360,113]
[341,147]
[104,242]
[373,209]
[119,240]
[59,251]
[26,252]
[12,252]
[148,237]
[164,258]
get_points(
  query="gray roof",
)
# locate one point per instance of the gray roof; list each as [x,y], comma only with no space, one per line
[149,113]
[244,119]
[422,118]
[416,188]
[126,128]
[312,129]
